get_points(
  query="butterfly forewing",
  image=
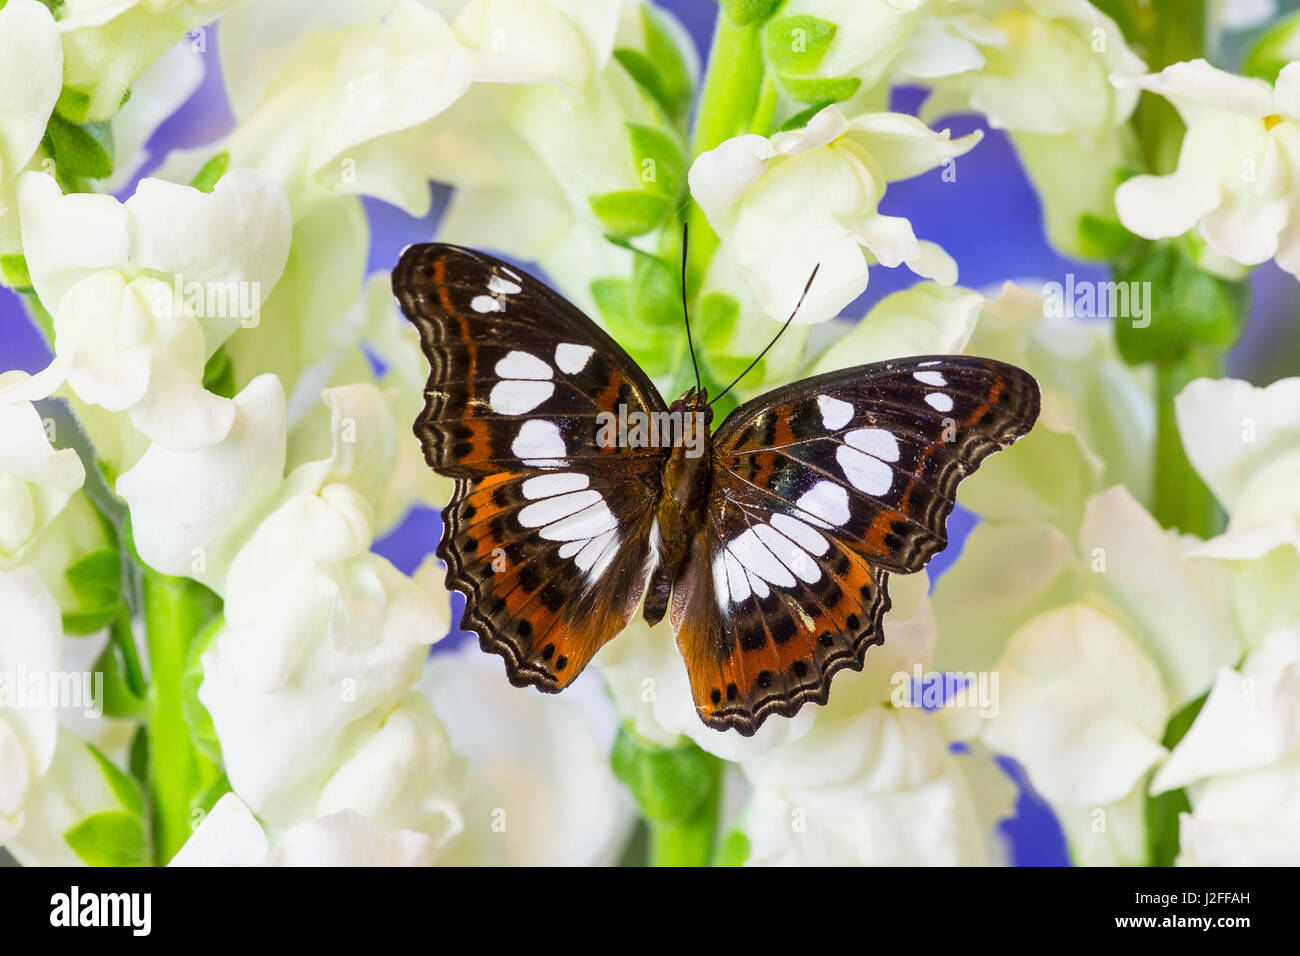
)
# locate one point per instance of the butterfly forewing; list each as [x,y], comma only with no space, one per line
[548,531]
[819,490]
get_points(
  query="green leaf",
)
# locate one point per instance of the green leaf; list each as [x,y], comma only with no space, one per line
[797,44]
[197,718]
[205,180]
[668,785]
[734,851]
[819,89]
[1278,46]
[659,160]
[81,149]
[96,581]
[1186,307]
[113,838]
[742,12]
[630,212]
[14,272]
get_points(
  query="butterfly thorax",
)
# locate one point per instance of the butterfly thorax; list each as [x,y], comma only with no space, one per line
[681,510]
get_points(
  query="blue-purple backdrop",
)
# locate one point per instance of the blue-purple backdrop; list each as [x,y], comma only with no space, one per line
[989,220]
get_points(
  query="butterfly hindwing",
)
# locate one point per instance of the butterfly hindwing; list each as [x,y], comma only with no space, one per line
[548,531]
[819,490]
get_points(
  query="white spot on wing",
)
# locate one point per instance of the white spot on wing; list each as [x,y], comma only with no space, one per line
[874,441]
[591,521]
[828,501]
[835,413]
[544,486]
[864,472]
[939,401]
[930,378]
[756,558]
[503,286]
[572,358]
[539,443]
[486,303]
[793,557]
[518,364]
[801,533]
[548,511]
[514,397]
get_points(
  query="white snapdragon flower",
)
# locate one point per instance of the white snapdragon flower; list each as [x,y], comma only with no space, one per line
[322,638]
[36,481]
[231,836]
[28,733]
[109,44]
[31,78]
[539,787]
[1042,70]
[329,97]
[132,288]
[809,197]
[1240,760]
[1236,178]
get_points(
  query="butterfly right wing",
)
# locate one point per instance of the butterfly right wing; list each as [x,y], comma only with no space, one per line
[549,531]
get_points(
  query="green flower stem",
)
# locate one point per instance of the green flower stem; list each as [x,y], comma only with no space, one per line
[768,97]
[1169,32]
[690,842]
[727,106]
[1182,500]
[175,610]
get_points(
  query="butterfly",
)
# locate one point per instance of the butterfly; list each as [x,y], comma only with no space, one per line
[581,495]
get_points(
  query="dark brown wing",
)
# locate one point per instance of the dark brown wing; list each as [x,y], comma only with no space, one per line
[548,532]
[819,490]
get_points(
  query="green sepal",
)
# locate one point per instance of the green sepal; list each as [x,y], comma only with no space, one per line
[744,12]
[197,718]
[630,212]
[205,180]
[14,272]
[127,791]
[668,167]
[662,70]
[112,838]
[73,105]
[1103,239]
[734,849]
[81,149]
[796,45]
[801,119]
[668,785]
[96,581]
[119,700]
[818,89]
[1188,306]
[1276,47]
[219,374]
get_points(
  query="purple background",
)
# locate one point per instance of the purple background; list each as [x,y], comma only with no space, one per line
[989,221]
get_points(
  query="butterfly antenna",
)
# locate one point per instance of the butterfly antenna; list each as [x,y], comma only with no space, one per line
[802,296]
[690,343]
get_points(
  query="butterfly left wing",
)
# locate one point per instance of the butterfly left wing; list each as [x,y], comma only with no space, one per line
[820,490]
[548,533]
